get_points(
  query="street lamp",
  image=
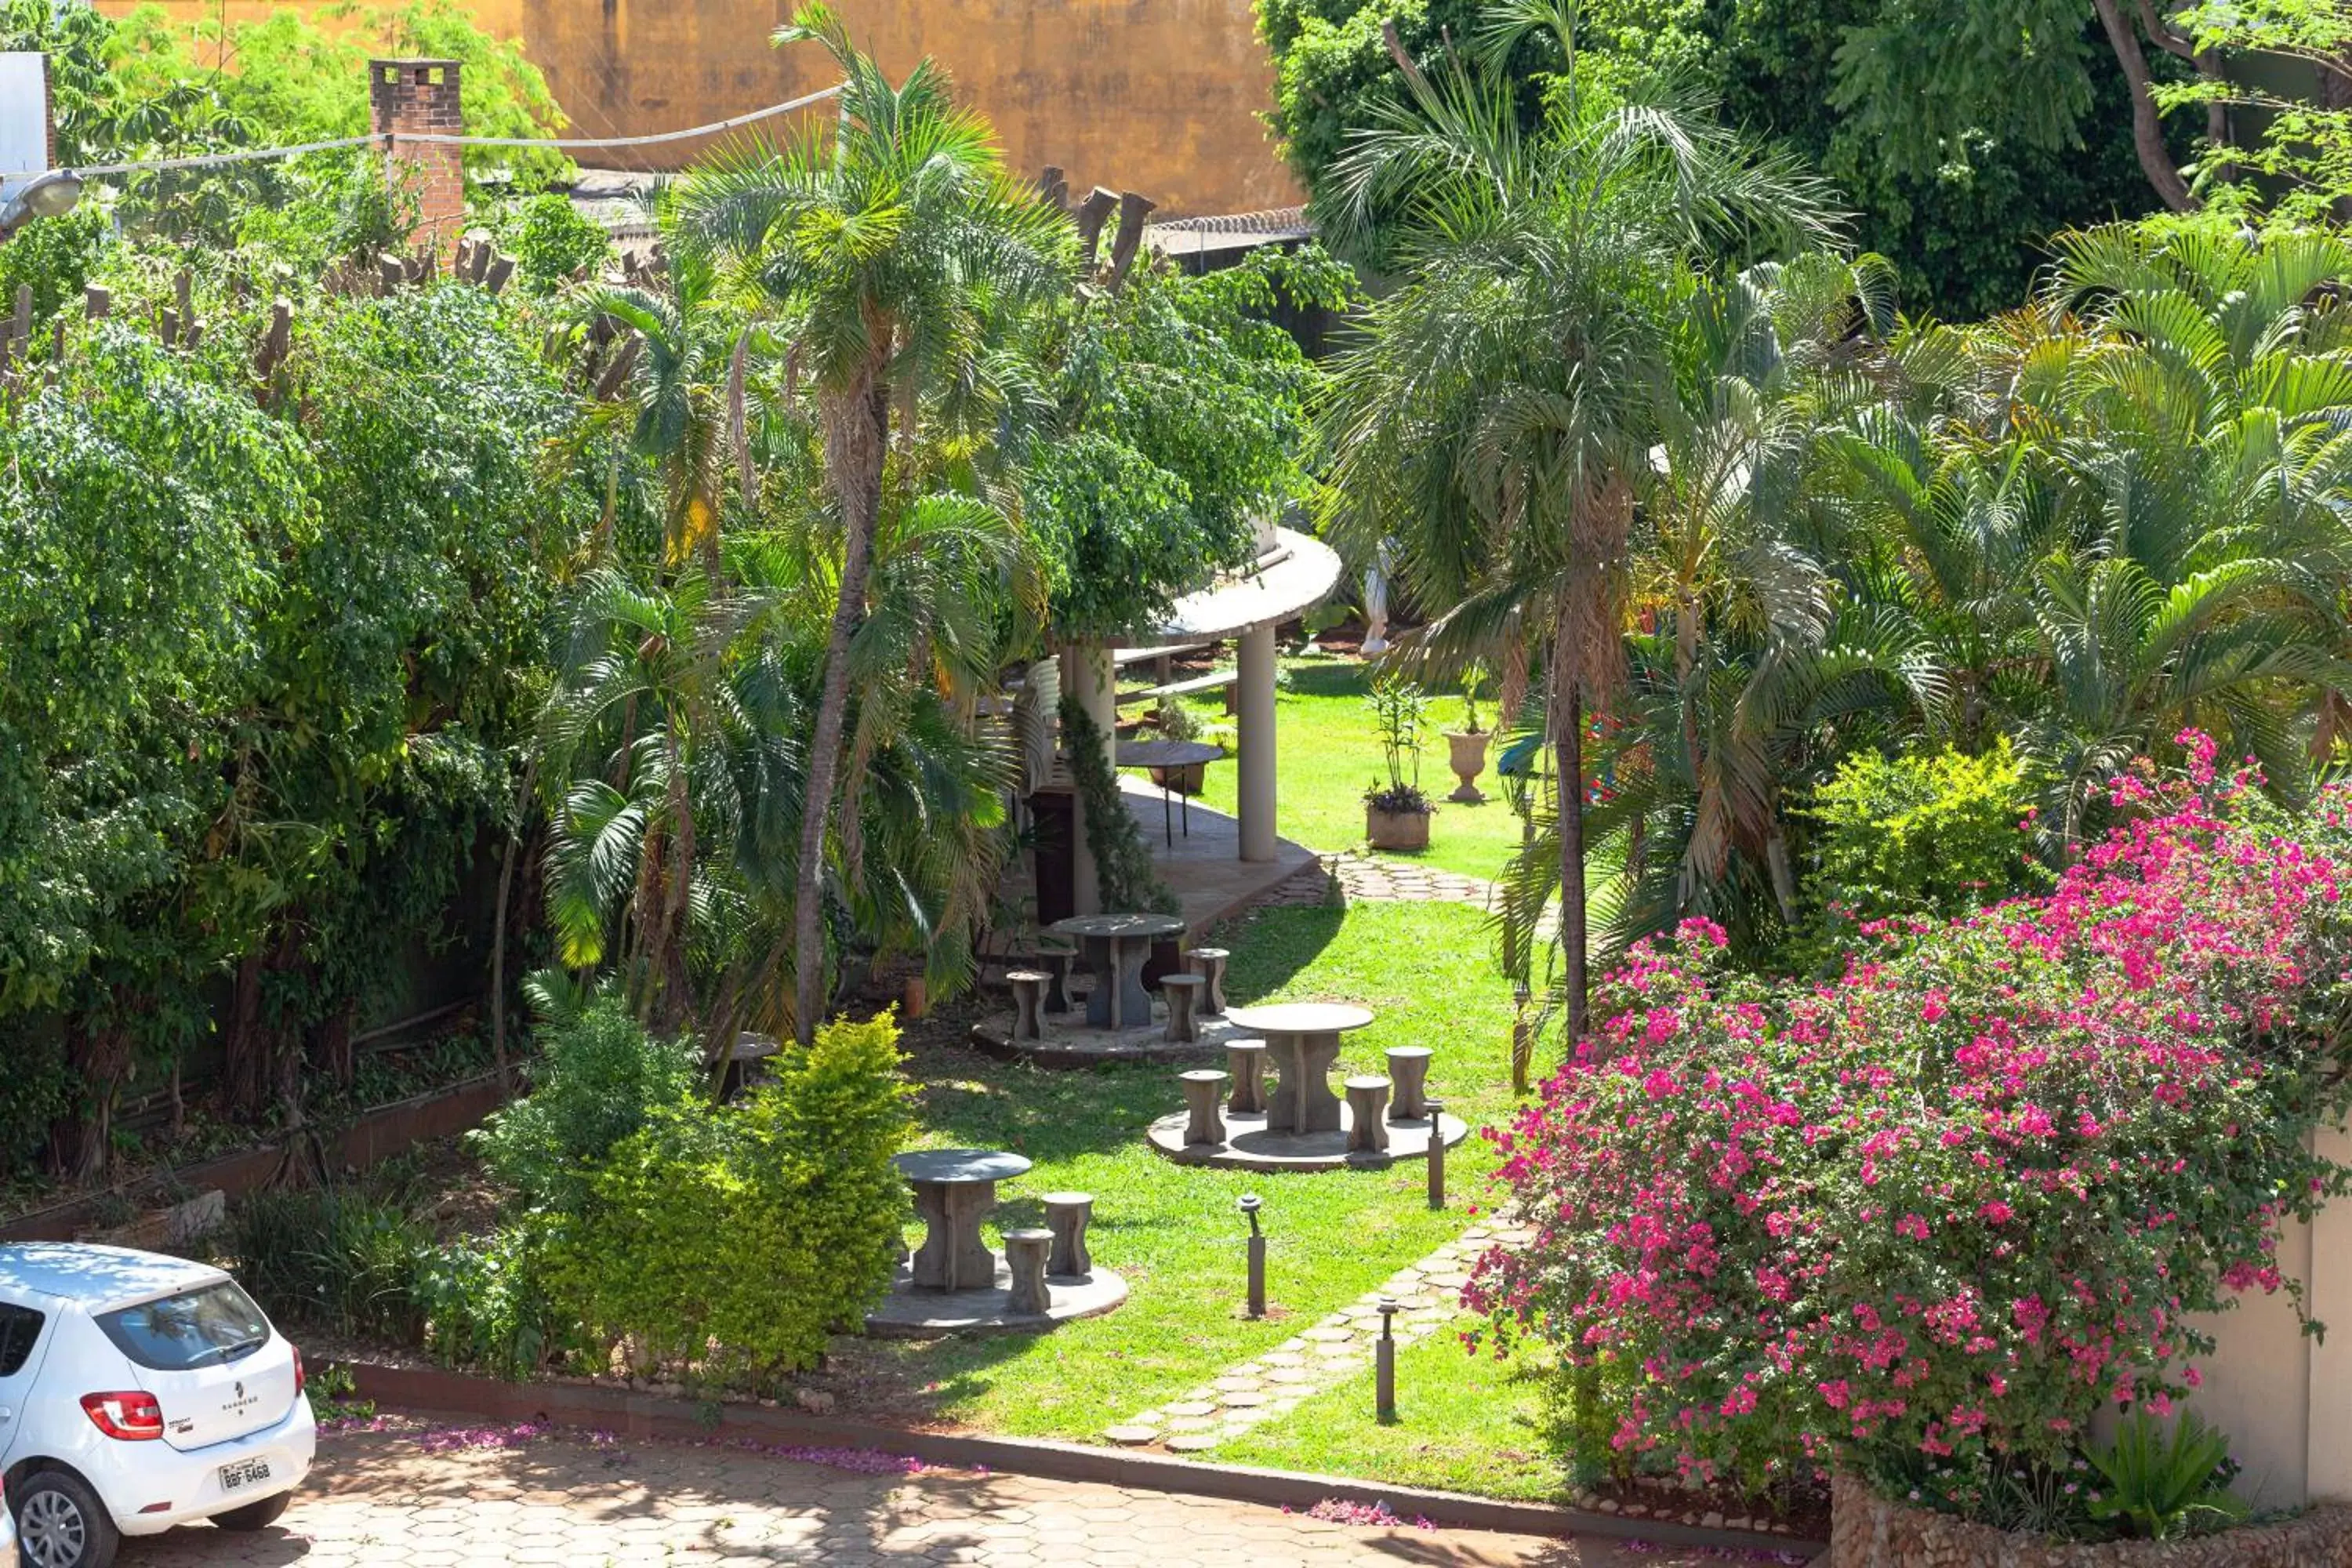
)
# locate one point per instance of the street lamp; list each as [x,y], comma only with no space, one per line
[52,194]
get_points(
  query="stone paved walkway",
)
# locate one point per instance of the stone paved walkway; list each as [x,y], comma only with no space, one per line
[1360,876]
[378,1500]
[1315,1359]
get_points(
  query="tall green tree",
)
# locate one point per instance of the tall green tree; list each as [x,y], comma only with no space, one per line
[1498,415]
[882,244]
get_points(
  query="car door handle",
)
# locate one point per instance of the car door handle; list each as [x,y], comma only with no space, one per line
[6,1414]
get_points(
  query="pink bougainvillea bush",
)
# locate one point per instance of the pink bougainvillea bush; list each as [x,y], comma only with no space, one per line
[1935,1214]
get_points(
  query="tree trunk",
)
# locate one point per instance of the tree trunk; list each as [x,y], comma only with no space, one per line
[858,433]
[81,1142]
[499,927]
[1570,745]
[2148,127]
[244,1044]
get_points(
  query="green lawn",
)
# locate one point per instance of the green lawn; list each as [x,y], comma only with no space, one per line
[1172,1231]
[1465,1424]
[1328,752]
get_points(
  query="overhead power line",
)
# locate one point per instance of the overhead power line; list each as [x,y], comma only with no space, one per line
[391,139]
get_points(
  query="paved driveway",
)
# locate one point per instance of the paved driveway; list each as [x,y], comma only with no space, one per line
[381,1500]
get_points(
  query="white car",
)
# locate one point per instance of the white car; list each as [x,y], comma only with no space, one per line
[138,1392]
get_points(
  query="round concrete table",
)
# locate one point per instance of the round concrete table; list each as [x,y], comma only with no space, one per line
[1302,1040]
[1116,947]
[953,1188]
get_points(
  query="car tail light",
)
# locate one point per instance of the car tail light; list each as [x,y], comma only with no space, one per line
[299,1376]
[132,1417]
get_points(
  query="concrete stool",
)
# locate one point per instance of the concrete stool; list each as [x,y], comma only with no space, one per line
[1066,1215]
[1025,1255]
[1246,1060]
[1408,1071]
[1028,1003]
[1367,1101]
[1209,964]
[1183,994]
[1056,961]
[1204,1087]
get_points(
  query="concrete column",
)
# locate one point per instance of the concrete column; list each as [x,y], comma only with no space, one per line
[1253,791]
[2329,1446]
[1089,680]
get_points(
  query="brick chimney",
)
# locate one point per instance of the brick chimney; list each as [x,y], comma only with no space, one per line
[419,98]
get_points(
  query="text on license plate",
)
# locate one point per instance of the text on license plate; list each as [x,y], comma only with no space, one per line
[244,1473]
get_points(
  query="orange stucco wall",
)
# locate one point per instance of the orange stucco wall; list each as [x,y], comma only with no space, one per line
[1157,96]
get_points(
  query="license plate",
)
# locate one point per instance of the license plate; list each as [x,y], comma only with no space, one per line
[244,1473]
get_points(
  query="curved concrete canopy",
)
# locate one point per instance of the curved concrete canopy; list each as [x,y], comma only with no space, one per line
[1293,577]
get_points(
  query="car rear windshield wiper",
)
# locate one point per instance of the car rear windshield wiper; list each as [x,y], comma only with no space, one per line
[231,1352]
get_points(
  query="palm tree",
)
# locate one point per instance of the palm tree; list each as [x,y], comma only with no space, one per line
[883,248]
[1497,416]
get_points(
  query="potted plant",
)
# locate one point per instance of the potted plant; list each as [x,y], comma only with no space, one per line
[1469,742]
[1176,723]
[1396,814]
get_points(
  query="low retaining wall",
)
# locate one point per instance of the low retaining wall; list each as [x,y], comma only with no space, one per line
[1867,1531]
[597,1408]
[375,1135]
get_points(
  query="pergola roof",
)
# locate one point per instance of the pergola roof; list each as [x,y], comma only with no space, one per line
[1289,579]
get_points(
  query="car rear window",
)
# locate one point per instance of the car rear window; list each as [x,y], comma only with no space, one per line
[208,1326]
[19,1327]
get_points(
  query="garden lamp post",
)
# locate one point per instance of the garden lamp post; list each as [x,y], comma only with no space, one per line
[1437,1110]
[1251,1202]
[1384,1373]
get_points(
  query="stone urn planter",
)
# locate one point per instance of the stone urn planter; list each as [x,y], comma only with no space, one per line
[1396,830]
[1468,760]
[1867,1531]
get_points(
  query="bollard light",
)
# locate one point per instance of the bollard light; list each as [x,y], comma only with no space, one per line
[1250,1205]
[1436,1153]
[1384,1379]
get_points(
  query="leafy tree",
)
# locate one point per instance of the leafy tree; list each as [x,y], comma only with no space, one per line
[882,245]
[1499,414]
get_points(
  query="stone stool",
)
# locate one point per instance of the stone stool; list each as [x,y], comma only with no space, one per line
[1183,994]
[1028,1003]
[1066,1215]
[1367,1101]
[1209,964]
[1056,961]
[1408,1071]
[1204,1087]
[1025,1255]
[1246,1060]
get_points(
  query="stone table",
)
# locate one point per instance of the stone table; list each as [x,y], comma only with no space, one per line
[1302,1039]
[953,1188]
[1116,947]
[1172,759]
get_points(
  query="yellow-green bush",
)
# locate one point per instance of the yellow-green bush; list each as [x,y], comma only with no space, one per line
[721,1246]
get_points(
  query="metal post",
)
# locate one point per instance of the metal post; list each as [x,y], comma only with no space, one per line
[1385,1368]
[1251,1202]
[1436,1153]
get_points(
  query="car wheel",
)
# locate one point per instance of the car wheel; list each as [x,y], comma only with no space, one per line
[255,1515]
[60,1523]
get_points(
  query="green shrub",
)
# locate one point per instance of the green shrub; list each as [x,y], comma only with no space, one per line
[483,1301]
[553,242]
[2165,1482]
[724,1244]
[599,1078]
[330,1259]
[1932,834]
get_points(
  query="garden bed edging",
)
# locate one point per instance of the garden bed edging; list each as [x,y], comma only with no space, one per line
[1867,1531]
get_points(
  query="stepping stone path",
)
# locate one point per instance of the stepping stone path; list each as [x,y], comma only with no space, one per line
[1316,1358]
[1359,877]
